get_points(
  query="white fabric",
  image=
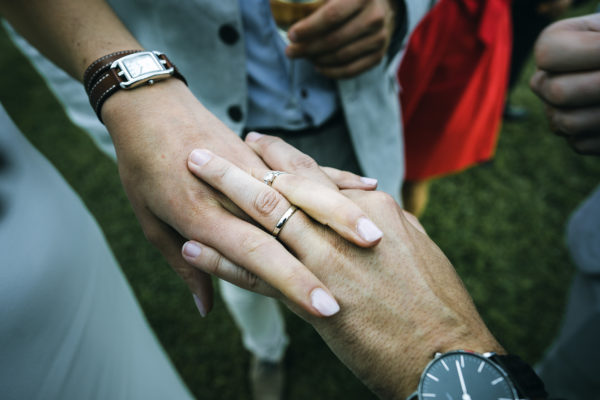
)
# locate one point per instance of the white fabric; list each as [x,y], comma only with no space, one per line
[70,325]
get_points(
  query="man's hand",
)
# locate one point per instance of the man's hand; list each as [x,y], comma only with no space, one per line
[344,38]
[567,55]
[401,301]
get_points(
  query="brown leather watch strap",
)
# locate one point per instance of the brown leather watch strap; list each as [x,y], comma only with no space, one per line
[101,81]
[101,65]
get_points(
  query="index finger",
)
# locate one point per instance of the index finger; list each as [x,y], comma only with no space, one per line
[326,18]
[570,45]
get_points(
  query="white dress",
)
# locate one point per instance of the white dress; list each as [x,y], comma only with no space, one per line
[70,326]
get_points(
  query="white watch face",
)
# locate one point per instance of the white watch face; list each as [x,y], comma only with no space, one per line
[141,64]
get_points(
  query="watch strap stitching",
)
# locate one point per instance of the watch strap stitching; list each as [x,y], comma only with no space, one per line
[116,55]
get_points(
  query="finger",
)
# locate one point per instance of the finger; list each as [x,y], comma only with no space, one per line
[266,205]
[353,51]
[353,69]
[279,155]
[212,262]
[326,18]
[586,145]
[368,22]
[575,122]
[568,90]
[264,256]
[348,180]
[168,243]
[570,45]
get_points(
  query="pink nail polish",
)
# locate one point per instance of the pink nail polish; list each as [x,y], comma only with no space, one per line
[368,230]
[192,249]
[368,181]
[253,136]
[200,157]
[199,306]
[324,303]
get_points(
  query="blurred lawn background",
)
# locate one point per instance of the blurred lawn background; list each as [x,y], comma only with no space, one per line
[501,224]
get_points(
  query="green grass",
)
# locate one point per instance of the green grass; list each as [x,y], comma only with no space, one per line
[501,224]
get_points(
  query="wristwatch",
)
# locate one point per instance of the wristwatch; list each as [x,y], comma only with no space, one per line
[126,69]
[465,375]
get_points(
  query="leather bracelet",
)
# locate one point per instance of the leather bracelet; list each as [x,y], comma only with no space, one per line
[125,69]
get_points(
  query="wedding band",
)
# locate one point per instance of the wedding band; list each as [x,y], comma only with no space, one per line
[270,176]
[284,218]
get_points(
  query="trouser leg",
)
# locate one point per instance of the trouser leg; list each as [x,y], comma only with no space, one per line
[570,367]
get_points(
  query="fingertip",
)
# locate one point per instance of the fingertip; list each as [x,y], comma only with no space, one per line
[368,231]
[292,35]
[324,303]
[191,249]
[199,157]
[253,136]
[371,182]
[202,309]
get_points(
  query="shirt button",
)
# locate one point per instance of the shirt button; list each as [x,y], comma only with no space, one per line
[235,113]
[229,34]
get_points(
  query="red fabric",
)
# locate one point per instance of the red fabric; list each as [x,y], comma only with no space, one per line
[454,77]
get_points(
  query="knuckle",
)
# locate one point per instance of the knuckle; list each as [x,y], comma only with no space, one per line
[214,264]
[377,20]
[383,199]
[303,161]
[332,14]
[555,92]
[266,201]
[249,279]
[567,124]
[256,244]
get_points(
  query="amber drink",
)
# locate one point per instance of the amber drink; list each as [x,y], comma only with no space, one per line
[287,12]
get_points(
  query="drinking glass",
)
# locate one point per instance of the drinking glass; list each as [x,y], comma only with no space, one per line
[286,13]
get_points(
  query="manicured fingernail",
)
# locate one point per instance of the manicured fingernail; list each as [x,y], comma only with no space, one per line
[292,36]
[253,136]
[368,230]
[192,249]
[368,181]
[324,303]
[200,306]
[200,157]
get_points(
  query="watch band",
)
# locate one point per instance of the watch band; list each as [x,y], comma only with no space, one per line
[102,79]
[100,66]
[528,383]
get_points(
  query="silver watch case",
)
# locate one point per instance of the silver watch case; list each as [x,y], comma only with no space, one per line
[139,68]
[438,358]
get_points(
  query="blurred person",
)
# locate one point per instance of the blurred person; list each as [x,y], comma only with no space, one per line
[404,317]
[71,326]
[529,18]
[567,76]
[453,78]
[238,71]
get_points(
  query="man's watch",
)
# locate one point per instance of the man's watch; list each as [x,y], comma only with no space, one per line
[125,70]
[465,375]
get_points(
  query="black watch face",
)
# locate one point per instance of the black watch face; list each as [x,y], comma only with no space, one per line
[464,376]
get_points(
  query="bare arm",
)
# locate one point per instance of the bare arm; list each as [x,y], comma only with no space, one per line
[154,128]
